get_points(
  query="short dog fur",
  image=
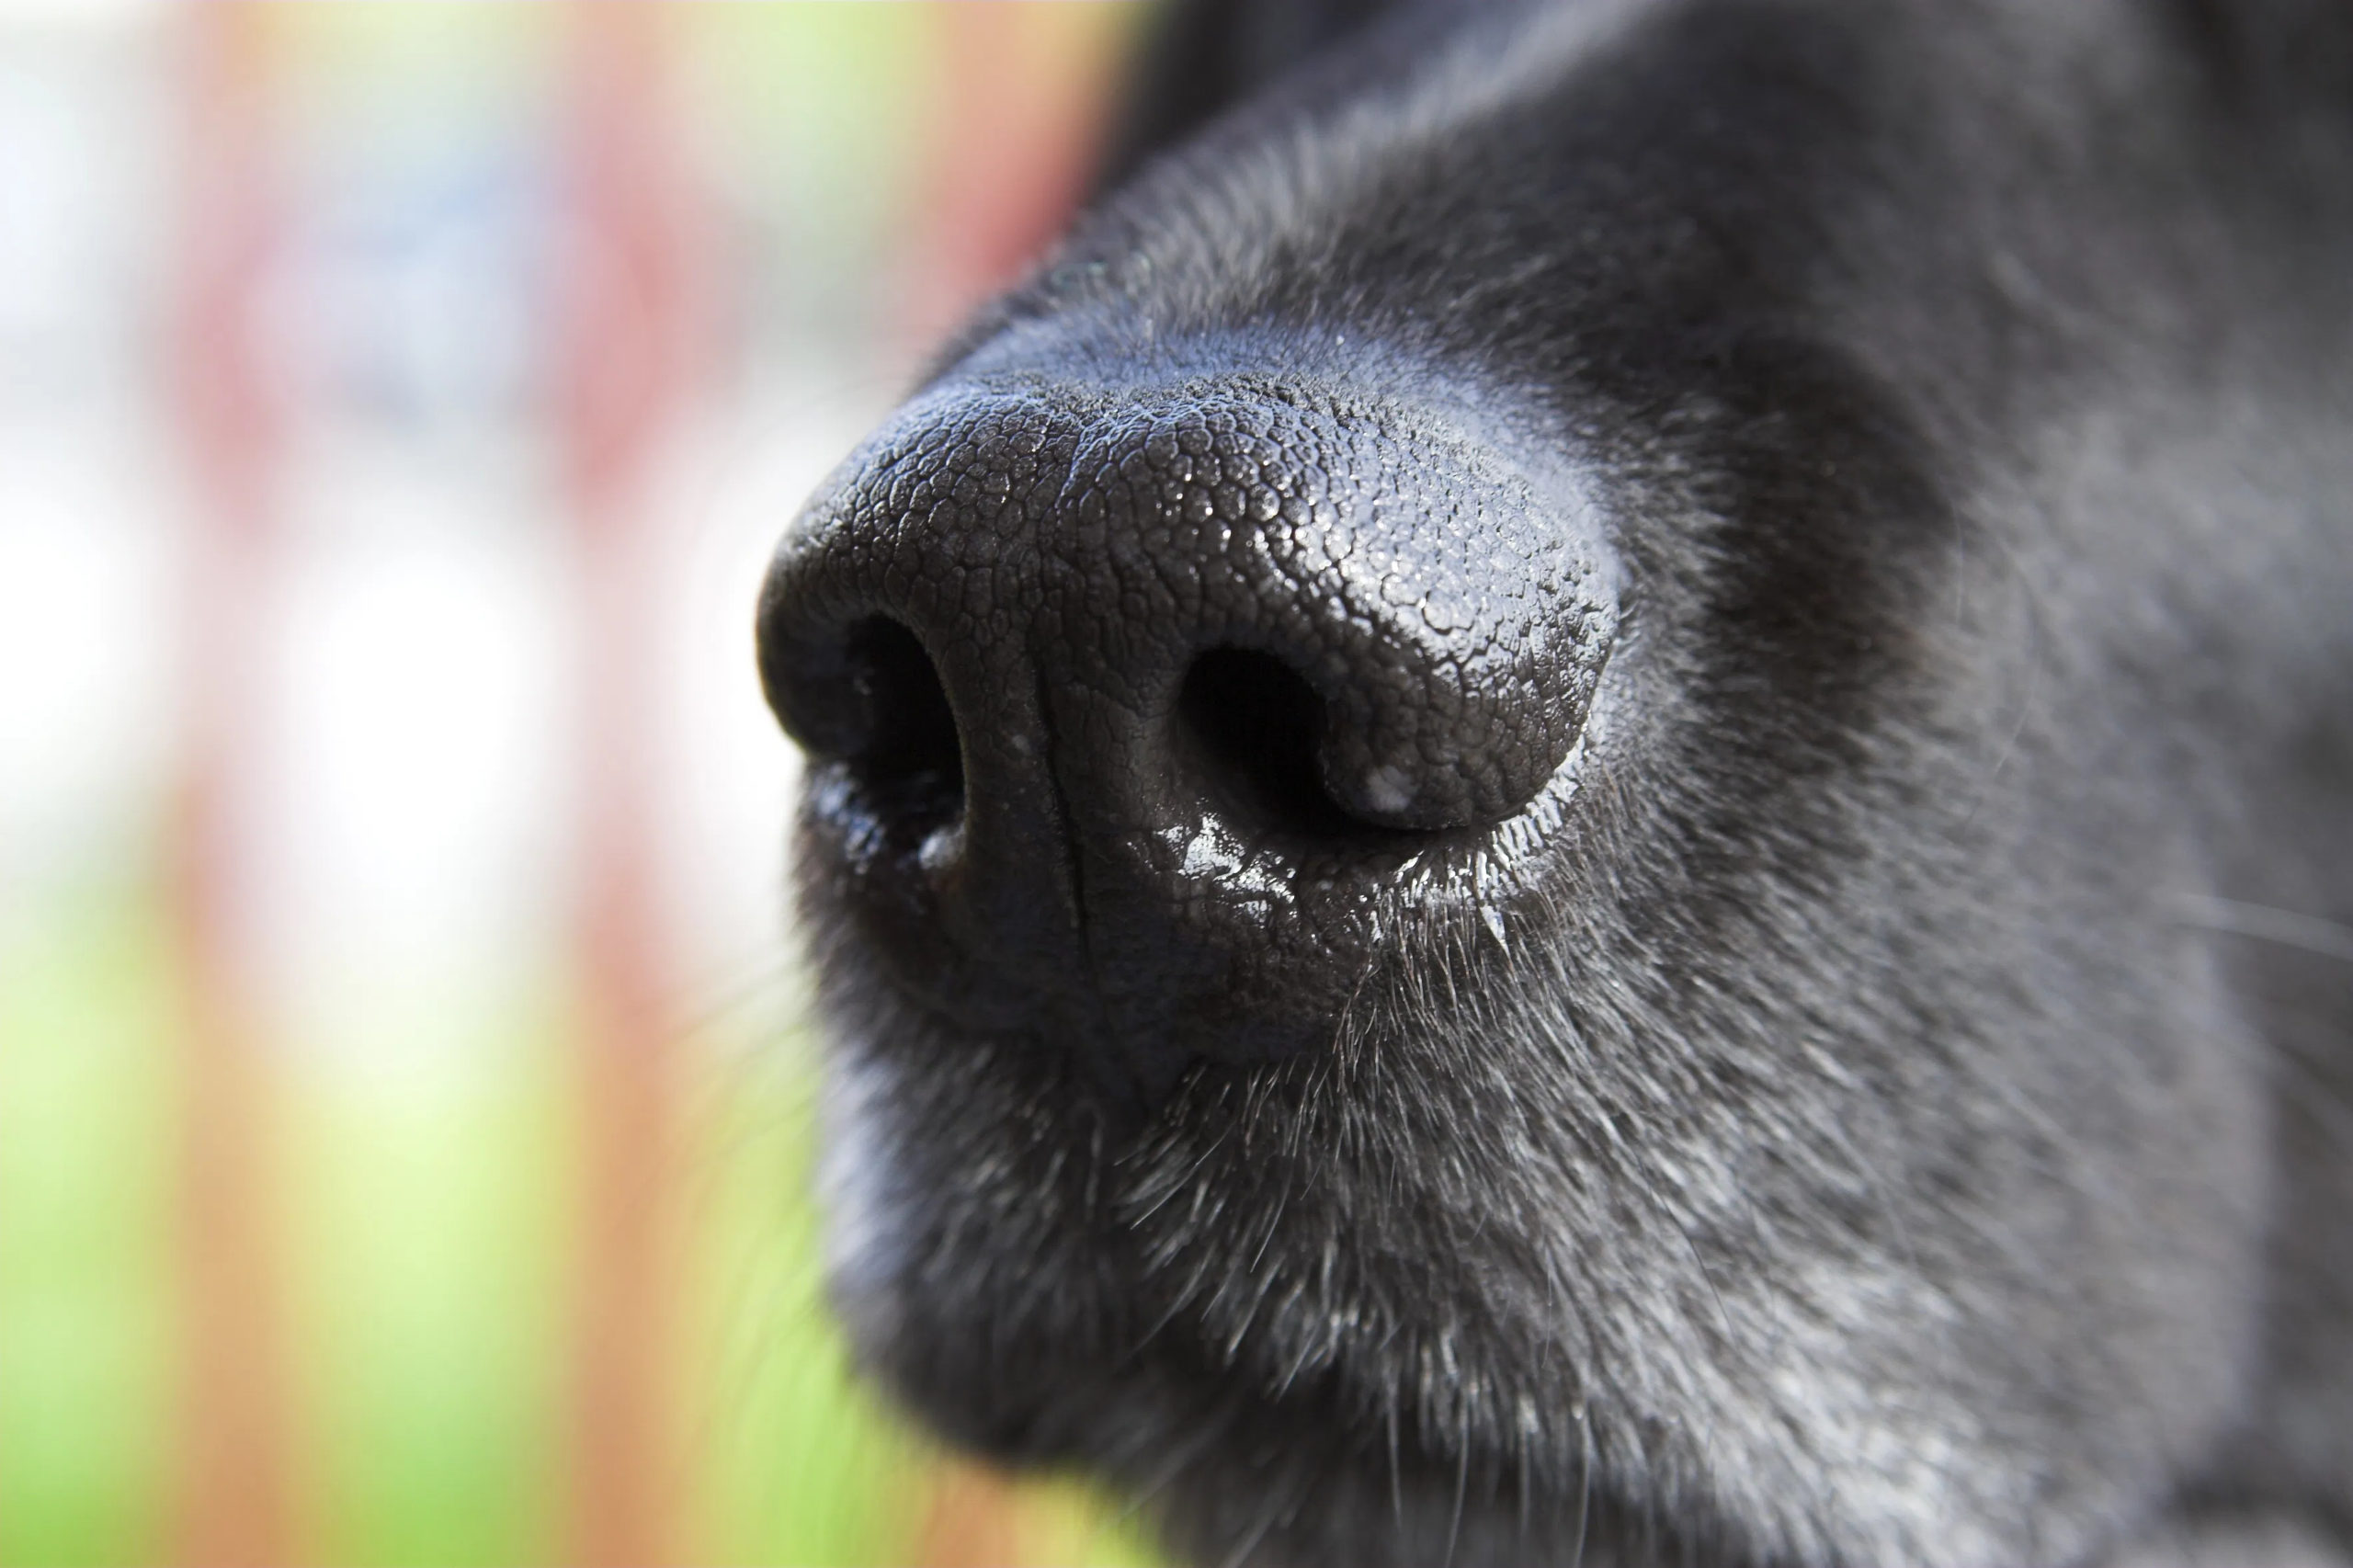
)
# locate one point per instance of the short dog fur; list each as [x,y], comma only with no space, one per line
[1848,1063]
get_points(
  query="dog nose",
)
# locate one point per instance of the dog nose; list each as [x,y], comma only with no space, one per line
[1134,699]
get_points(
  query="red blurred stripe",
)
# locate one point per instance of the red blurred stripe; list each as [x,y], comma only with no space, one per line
[233,1502]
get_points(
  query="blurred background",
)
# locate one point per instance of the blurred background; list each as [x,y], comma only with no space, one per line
[404,1086]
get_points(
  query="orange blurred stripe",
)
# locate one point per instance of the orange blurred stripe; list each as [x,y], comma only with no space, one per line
[973,1520]
[233,1493]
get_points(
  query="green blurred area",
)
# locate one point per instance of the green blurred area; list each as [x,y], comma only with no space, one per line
[427,1236]
[88,1100]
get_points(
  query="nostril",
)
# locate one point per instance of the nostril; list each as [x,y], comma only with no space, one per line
[915,729]
[875,701]
[1251,728]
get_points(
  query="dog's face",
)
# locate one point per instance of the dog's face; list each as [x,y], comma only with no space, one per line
[1472,900]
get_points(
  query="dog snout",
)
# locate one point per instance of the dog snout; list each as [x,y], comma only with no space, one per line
[1134,704]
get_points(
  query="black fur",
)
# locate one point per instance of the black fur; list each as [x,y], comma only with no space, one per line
[1882,1095]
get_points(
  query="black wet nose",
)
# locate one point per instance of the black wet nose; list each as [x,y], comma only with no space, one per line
[1135,699]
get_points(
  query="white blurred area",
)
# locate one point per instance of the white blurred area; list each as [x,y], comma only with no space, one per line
[408,811]
[86,564]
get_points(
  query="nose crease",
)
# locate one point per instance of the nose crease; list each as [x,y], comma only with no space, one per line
[1099,1024]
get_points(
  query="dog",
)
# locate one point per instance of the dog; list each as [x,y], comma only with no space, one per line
[1590,796]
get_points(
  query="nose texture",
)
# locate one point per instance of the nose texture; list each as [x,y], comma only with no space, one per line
[1131,704]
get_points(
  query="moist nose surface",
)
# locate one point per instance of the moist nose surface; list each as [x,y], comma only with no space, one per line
[1131,705]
